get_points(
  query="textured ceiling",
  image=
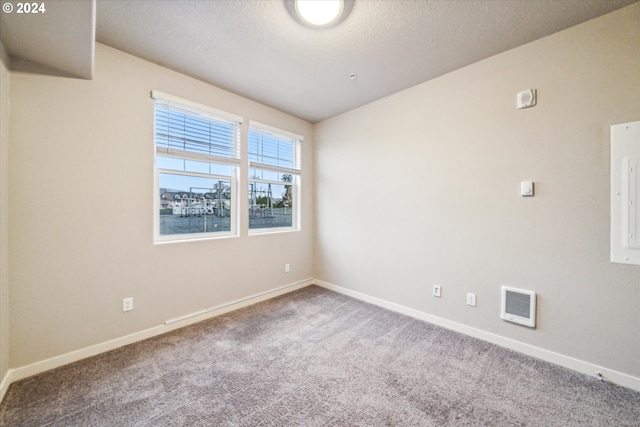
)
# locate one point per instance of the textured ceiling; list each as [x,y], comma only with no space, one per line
[256,49]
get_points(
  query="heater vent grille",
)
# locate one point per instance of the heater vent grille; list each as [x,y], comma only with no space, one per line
[518,306]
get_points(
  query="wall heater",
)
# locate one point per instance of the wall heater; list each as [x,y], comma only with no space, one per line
[518,306]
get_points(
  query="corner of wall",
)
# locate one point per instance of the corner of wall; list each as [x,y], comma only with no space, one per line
[455,216]
[4,221]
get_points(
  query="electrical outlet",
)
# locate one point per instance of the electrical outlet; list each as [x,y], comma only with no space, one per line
[437,291]
[287,268]
[471,299]
[127,304]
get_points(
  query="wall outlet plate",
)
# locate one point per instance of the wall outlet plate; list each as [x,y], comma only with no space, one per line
[127,304]
[471,299]
[437,291]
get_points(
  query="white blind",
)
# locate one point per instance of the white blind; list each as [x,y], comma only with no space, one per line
[274,151]
[187,132]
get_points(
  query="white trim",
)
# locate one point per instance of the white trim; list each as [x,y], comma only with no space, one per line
[581,366]
[6,382]
[73,356]
[609,375]
[240,303]
[156,94]
[271,168]
[92,40]
[188,155]
[198,174]
[271,230]
[274,131]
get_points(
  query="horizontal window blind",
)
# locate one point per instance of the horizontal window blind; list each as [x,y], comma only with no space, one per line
[187,133]
[269,150]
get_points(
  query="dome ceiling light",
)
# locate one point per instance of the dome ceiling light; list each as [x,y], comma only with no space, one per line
[319,13]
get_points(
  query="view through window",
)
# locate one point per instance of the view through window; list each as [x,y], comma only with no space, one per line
[274,176]
[197,157]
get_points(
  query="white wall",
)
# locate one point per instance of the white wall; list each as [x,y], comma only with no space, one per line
[4,213]
[82,211]
[422,188]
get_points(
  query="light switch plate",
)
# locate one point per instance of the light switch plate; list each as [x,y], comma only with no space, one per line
[471,299]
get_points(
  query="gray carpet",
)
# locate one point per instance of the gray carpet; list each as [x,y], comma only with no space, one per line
[315,358]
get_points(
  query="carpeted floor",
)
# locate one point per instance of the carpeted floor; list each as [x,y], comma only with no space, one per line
[315,358]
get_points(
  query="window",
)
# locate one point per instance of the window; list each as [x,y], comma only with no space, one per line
[274,179]
[197,156]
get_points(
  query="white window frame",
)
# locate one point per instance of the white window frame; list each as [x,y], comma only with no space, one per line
[233,161]
[295,172]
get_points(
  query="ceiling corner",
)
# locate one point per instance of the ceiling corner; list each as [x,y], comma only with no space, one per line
[61,35]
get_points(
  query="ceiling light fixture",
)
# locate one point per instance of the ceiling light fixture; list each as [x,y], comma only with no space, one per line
[319,13]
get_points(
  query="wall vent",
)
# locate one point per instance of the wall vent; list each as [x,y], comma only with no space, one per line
[519,306]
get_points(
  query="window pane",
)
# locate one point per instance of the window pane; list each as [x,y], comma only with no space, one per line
[270,205]
[190,204]
[217,169]
[268,175]
[193,166]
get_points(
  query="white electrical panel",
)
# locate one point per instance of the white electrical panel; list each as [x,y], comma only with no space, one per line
[625,193]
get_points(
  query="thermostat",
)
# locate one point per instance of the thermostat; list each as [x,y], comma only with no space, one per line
[526,188]
[526,99]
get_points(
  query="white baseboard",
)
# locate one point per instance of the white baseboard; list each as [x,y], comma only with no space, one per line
[609,375]
[170,325]
[6,382]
